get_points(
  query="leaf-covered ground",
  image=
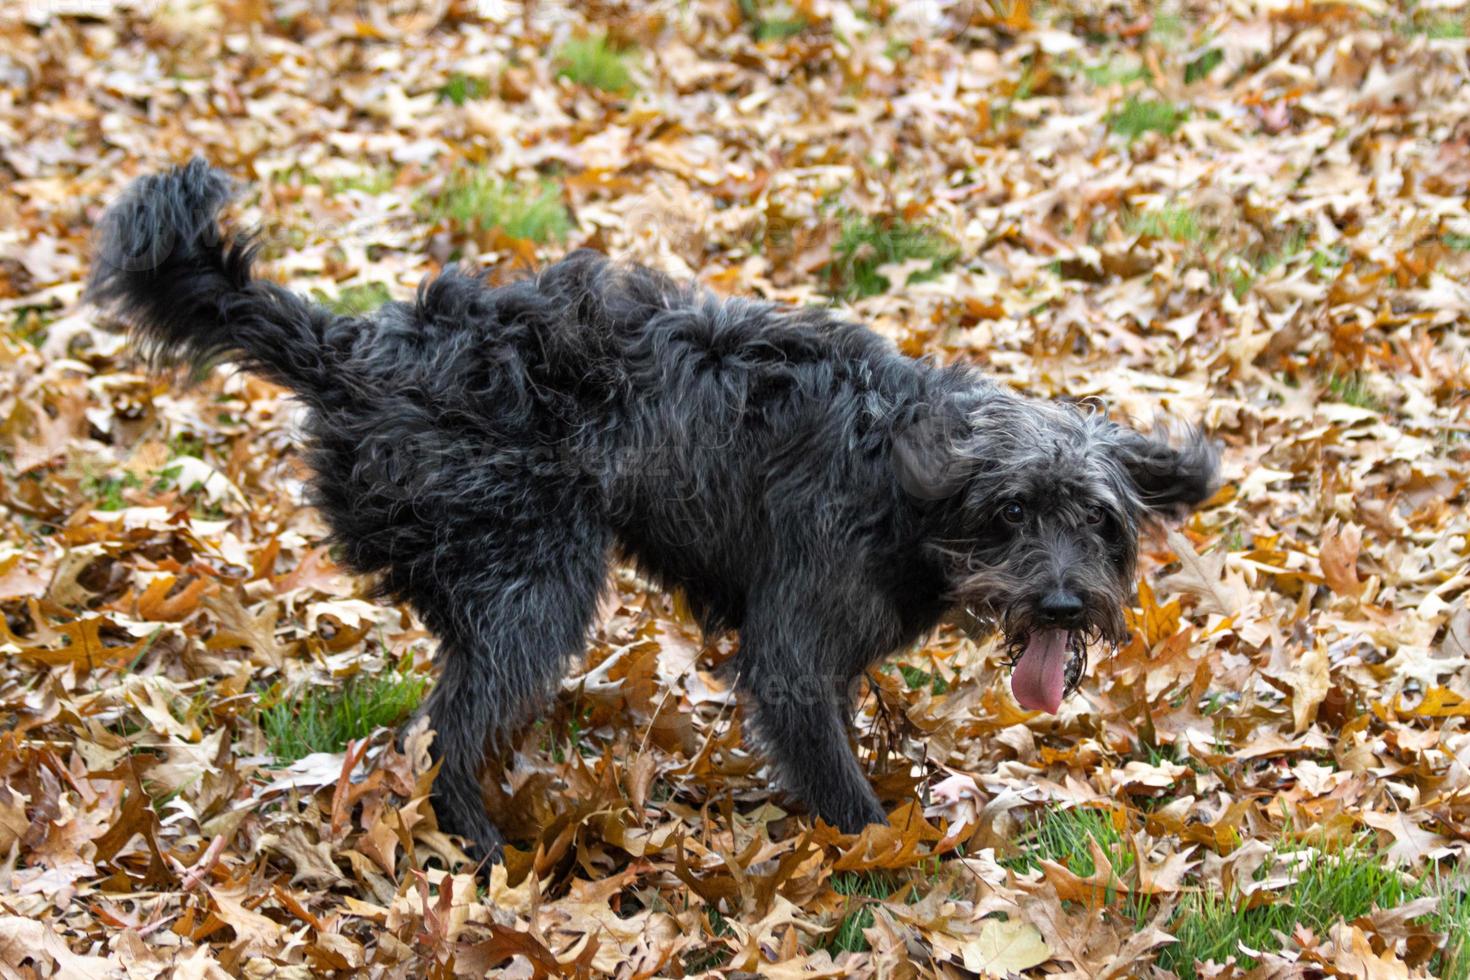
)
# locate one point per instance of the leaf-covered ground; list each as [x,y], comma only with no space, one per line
[1248,213]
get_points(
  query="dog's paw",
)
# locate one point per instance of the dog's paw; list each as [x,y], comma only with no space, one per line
[478,837]
[854,818]
[486,853]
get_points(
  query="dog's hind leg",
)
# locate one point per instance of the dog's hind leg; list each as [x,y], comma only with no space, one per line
[510,610]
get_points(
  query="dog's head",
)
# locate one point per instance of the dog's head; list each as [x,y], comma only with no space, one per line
[1039,506]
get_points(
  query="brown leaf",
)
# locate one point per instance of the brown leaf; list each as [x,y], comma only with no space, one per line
[1355,956]
[255,932]
[1310,681]
[311,858]
[1339,559]
[1005,946]
[1219,591]
[1456,641]
[1164,877]
[1093,890]
[26,943]
[1411,843]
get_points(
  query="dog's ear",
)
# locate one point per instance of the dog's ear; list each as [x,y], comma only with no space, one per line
[1171,472]
[927,455]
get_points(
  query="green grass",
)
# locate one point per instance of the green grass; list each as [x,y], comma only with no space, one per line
[355,300]
[186,444]
[1323,259]
[326,719]
[1138,116]
[708,958]
[476,200]
[377,181]
[1293,244]
[372,182]
[562,745]
[1331,886]
[1172,222]
[1158,753]
[1169,29]
[592,61]
[1453,918]
[295,174]
[1063,836]
[1437,28]
[460,89]
[1240,279]
[1120,70]
[1216,701]
[896,49]
[1199,69]
[771,22]
[167,478]
[848,938]
[1351,389]
[108,490]
[916,678]
[31,324]
[866,243]
[1066,837]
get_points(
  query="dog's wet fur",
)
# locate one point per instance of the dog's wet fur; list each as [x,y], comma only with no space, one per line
[486,452]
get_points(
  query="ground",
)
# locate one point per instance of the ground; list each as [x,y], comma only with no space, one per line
[1250,214]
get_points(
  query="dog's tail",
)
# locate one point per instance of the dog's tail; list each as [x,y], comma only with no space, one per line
[163,267]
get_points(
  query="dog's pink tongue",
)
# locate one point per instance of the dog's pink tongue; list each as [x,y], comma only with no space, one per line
[1040,676]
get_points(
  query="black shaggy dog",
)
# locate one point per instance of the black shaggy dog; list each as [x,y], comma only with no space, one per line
[484,451]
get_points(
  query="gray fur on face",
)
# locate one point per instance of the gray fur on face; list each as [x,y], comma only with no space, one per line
[1050,498]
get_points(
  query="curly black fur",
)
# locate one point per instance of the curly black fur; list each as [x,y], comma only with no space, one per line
[484,451]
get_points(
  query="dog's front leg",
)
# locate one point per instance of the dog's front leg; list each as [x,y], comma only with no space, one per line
[799,720]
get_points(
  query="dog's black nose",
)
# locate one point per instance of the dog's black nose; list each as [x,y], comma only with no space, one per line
[1061,608]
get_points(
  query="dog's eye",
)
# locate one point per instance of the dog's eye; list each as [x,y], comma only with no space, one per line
[1094,515]
[1013,513]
